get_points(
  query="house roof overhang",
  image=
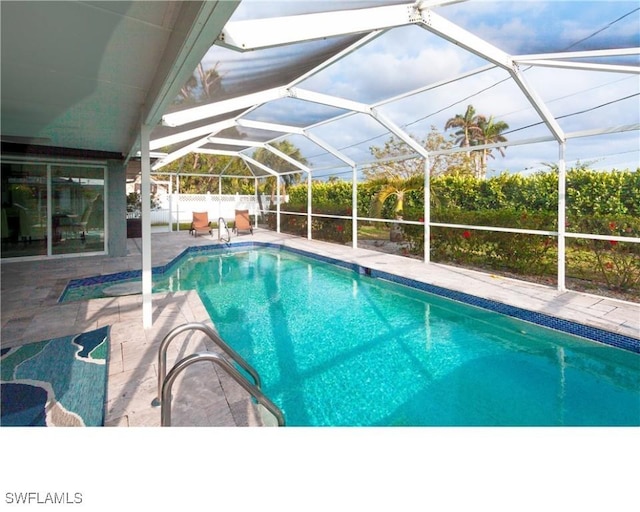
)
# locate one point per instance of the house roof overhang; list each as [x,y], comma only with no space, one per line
[87,75]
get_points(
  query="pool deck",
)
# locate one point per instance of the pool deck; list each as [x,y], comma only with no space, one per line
[30,312]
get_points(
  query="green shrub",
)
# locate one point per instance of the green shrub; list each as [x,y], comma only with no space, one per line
[323,228]
[603,203]
[514,252]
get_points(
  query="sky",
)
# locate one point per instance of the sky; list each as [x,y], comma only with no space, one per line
[406,58]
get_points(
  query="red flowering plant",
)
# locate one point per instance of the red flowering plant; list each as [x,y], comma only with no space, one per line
[331,229]
[610,261]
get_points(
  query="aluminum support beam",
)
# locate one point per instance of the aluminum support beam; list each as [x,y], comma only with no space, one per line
[427,210]
[585,66]
[179,153]
[250,160]
[588,54]
[269,32]
[210,129]
[223,107]
[236,142]
[145,195]
[326,99]
[309,207]
[278,186]
[287,158]
[274,127]
[453,33]
[354,206]
[562,212]
[399,132]
[538,105]
[330,149]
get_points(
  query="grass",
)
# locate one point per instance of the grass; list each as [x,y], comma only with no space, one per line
[373,232]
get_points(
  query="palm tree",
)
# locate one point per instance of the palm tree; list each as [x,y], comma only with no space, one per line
[200,88]
[468,124]
[469,131]
[210,80]
[491,133]
[398,188]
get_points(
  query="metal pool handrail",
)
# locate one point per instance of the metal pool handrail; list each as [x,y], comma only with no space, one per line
[180,366]
[221,223]
[213,336]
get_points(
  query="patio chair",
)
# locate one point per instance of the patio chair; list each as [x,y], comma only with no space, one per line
[200,223]
[242,222]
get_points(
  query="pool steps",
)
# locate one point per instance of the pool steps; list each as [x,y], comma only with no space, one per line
[166,380]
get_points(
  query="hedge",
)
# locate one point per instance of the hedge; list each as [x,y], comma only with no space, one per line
[603,203]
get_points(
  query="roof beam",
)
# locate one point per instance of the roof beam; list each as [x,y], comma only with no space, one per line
[590,54]
[287,158]
[236,142]
[326,99]
[399,132]
[457,35]
[191,115]
[273,127]
[251,161]
[324,145]
[339,56]
[269,32]
[179,153]
[176,138]
[538,104]
[453,33]
[221,152]
[587,66]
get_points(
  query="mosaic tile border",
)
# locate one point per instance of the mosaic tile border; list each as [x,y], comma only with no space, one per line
[584,331]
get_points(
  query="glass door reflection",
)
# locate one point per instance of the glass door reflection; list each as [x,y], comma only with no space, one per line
[77,219]
[24,210]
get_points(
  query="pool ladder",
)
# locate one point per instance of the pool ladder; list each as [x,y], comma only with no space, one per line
[166,380]
[222,224]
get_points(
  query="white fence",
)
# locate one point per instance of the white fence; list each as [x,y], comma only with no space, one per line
[176,208]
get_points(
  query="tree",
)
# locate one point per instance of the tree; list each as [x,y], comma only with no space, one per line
[491,133]
[398,188]
[393,148]
[439,164]
[210,80]
[444,164]
[468,124]
[475,130]
[210,166]
[200,88]
[273,161]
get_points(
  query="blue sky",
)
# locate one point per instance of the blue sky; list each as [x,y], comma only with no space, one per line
[409,57]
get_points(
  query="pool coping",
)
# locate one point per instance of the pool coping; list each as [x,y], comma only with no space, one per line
[595,334]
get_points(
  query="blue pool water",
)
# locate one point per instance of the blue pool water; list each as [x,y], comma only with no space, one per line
[334,347]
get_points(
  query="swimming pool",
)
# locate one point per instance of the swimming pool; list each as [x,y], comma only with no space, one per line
[337,347]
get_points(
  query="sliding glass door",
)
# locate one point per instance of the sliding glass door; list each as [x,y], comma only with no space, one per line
[52,209]
[24,210]
[77,219]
